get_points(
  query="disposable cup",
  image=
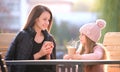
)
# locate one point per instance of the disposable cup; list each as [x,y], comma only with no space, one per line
[71,50]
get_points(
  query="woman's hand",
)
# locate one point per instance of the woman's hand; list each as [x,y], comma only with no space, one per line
[48,57]
[46,49]
[49,47]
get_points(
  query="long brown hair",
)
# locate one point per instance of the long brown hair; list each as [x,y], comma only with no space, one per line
[90,45]
[35,13]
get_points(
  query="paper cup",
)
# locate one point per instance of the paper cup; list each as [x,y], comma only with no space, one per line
[71,50]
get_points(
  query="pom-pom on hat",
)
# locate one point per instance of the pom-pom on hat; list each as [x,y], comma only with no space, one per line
[93,30]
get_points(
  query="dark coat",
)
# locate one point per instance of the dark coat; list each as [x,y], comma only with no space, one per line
[21,48]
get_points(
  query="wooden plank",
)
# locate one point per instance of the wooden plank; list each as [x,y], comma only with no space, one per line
[113,48]
[113,69]
[113,55]
[112,38]
[5,39]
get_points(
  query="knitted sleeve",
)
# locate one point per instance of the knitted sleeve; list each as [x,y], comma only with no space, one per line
[98,54]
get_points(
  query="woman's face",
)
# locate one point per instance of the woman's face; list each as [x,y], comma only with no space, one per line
[82,38]
[42,22]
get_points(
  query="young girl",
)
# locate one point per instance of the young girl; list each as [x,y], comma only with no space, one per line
[91,50]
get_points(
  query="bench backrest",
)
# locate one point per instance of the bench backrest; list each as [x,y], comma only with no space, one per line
[5,40]
[112,45]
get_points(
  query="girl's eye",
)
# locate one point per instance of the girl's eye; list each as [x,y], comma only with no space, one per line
[81,34]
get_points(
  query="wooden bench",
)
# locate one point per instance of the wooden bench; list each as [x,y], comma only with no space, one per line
[112,45]
[5,40]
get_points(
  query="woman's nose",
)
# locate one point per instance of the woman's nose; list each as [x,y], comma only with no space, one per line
[47,22]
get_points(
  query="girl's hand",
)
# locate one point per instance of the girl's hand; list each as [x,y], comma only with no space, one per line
[76,57]
[73,57]
[67,57]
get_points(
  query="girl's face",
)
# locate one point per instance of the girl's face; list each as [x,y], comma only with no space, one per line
[82,38]
[42,22]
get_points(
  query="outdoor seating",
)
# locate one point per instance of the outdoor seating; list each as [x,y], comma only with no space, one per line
[111,42]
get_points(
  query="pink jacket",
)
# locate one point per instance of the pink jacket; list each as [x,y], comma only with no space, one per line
[98,54]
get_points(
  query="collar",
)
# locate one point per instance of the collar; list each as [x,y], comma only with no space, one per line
[31,31]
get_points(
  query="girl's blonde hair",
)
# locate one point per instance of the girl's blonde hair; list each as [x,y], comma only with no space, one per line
[91,44]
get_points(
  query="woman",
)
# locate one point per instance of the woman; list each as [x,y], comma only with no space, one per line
[34,42]
[91,50]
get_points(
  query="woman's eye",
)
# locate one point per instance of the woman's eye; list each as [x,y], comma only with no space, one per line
[46,19]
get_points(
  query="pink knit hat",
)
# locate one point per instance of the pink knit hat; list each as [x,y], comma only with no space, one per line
[93,30]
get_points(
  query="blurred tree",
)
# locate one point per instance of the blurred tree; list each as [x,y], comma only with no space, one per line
[110,11]
[54,29]
[74,31]
[63,32]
